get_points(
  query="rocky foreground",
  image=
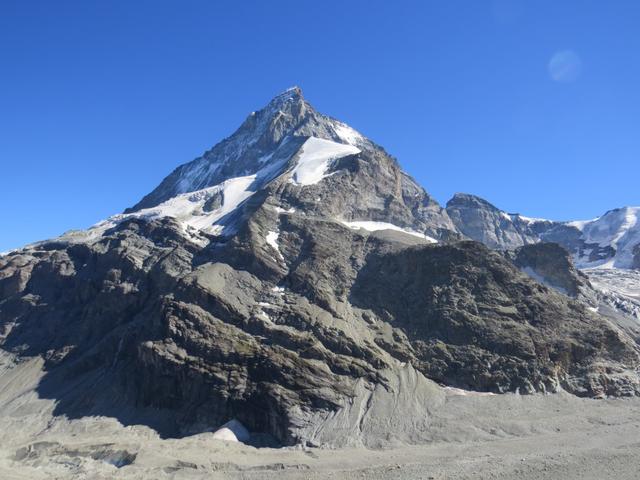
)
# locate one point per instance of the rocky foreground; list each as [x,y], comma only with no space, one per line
[471,436]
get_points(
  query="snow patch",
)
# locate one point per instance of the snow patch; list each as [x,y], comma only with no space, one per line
[375,226]
[188,208]
[272,239]
[278,290]
[517,217]
[93,233]
[347,134]
[232,431]
[529,220]
[466,393]
[315,158]
[282,210]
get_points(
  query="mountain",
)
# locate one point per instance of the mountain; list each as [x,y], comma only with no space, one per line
[609,241]
[296,281]
[618,232]
[479,220]
[605,249]
[268,144]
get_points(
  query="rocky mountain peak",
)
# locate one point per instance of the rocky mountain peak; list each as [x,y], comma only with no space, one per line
[253,145]
[280,117]
[290,95]
[300,159]
[609,241]
[467,199]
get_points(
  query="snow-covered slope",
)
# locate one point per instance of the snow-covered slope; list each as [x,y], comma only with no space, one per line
[212,210]
[194,210]
[315,159]
[620,288]
[617,229]
[380,226]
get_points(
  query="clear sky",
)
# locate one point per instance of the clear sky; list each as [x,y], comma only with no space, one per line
[533,105]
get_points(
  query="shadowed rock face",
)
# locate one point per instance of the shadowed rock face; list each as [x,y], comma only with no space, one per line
[552,265]
[132,326]
[473,321]
[294,324]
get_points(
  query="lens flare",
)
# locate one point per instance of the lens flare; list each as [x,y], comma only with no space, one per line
[565,66]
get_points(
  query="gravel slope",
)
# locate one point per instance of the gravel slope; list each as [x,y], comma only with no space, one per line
[470,436]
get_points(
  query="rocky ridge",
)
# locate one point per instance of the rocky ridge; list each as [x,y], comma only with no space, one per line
[609,241]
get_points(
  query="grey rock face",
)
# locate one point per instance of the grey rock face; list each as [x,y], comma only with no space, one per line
[479,220]
[297,325]
[552,265]
[609,239]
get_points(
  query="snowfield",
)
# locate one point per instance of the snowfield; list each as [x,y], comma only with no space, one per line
[620,288]
[316,157]
[376,226]
[188,208]
[347,134]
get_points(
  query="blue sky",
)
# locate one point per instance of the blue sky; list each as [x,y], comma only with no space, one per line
[100,100]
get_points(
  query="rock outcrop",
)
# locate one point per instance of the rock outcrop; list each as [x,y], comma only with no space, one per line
[552,265]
